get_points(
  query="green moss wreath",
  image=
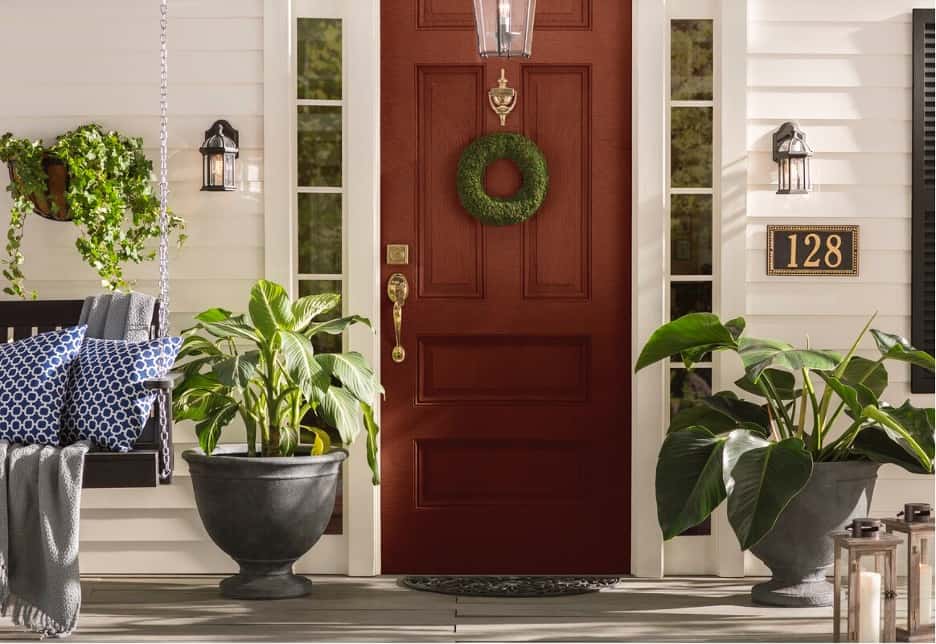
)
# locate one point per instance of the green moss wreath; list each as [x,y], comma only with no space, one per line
[495,211]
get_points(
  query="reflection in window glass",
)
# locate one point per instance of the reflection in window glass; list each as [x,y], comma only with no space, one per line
[323,343]
[319,59]
[691,60]
[320,233]
[687,386]
[319,146]
[690,297]
[691,234]
[691,147]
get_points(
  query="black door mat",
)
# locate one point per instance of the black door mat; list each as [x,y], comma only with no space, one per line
[507,586]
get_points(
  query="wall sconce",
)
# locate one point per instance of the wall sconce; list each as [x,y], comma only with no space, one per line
[505,27]
[219,157]
[870,560]
[791,153]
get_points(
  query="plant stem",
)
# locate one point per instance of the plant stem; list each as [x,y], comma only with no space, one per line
[787,424]
[827,391]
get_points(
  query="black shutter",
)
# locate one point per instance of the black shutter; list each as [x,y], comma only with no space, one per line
[923,320]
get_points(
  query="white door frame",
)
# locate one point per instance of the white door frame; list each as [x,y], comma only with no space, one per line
[361,79]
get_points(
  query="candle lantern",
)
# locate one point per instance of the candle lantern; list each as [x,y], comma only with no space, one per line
[869,556]
[791,154]
[914,526]
[219,157]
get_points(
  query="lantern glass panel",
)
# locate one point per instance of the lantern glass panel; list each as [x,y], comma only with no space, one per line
[504,27]
[215,169]
[230,165]
[865,579]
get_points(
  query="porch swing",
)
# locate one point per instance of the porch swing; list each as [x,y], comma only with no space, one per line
[150,463]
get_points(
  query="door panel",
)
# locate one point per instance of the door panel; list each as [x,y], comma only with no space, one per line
[506,438]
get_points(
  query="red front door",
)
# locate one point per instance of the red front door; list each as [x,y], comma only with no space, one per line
[506,436]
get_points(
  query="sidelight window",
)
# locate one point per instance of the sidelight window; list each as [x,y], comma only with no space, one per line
[320,162]
[691,195]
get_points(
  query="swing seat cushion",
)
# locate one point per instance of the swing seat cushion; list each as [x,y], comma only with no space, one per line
[109,400]
[33,380]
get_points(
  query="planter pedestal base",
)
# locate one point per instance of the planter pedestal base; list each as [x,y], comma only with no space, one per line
[257,581]
[813,591]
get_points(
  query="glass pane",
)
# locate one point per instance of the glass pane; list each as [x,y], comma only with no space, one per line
[319,54]
[691,60]
[687,386]
[691,147]
[690,297]
[691,234]
[323,343]
[319,233]
[319,145]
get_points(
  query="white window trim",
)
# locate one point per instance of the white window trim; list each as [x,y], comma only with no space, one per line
[357,550]
[650,254]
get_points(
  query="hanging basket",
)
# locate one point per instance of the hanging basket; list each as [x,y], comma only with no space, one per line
[57,186]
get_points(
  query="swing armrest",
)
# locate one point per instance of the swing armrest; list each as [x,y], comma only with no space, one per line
[165,384]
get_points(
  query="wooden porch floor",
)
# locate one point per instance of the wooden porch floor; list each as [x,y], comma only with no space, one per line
[169,609]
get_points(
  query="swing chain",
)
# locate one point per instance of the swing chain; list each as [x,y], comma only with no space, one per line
[166,466]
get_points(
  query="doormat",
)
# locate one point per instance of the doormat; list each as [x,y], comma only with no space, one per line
[508,586]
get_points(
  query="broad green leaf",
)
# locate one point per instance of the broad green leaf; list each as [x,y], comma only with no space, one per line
[214,315]
[209,430]
[269,308]
[907,427]
[738,442]
[301,365]
[764,480]
[230,329]
[237,371]
[307,308]
[688,479]
[877,445]
[335,326]
[701,416]
[196,345]
[757,355]
[691,331]
[855,396]
[895,347]
[866,372]
[353,372]
[736,327]
[317,437]
[783,381]
[372,430]
[340,410]
[740,411]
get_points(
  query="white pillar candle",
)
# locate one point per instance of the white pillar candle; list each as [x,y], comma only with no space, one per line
[869,600]
[926,594]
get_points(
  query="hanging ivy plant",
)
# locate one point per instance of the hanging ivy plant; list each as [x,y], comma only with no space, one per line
[496,211]
[110,198]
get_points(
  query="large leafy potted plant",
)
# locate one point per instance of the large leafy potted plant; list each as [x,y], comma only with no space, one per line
[101,182]
[267,508]
[798,462]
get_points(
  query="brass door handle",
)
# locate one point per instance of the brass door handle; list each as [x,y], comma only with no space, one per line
[398,291]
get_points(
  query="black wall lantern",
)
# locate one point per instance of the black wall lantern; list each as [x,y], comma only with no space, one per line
[219,157]
[792,157]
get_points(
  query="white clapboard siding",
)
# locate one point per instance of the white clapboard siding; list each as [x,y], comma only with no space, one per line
[102,65]
[841,69]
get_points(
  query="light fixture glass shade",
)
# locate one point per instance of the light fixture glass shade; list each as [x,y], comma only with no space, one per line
[505,27]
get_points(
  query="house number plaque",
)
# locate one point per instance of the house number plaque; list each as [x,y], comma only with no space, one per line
[812,250]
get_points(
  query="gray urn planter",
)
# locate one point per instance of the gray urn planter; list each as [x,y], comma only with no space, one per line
[264,513]
[798,550]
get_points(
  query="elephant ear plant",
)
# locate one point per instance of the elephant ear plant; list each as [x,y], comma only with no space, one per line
[759,455]
[262,367]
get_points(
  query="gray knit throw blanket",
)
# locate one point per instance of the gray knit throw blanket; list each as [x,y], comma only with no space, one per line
[40,499]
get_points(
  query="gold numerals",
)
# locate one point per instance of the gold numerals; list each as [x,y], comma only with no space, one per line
[812,250]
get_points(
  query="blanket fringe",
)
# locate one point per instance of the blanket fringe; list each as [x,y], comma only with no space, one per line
[25,614]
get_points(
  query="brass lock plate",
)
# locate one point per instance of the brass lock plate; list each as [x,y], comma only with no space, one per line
[397,254]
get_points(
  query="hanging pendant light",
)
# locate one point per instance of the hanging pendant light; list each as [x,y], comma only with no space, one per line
[505,27]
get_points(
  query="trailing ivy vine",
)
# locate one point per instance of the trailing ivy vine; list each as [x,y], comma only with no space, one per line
[110,198]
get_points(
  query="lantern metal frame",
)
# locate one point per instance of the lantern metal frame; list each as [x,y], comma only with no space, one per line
[216,143]
[883,547]
[791,154]
[494,22]
[917,530]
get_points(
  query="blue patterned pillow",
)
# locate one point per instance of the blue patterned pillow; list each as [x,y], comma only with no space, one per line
[33,379]
[107,402]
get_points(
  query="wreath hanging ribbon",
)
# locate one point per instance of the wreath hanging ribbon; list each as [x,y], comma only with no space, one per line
[496,211]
